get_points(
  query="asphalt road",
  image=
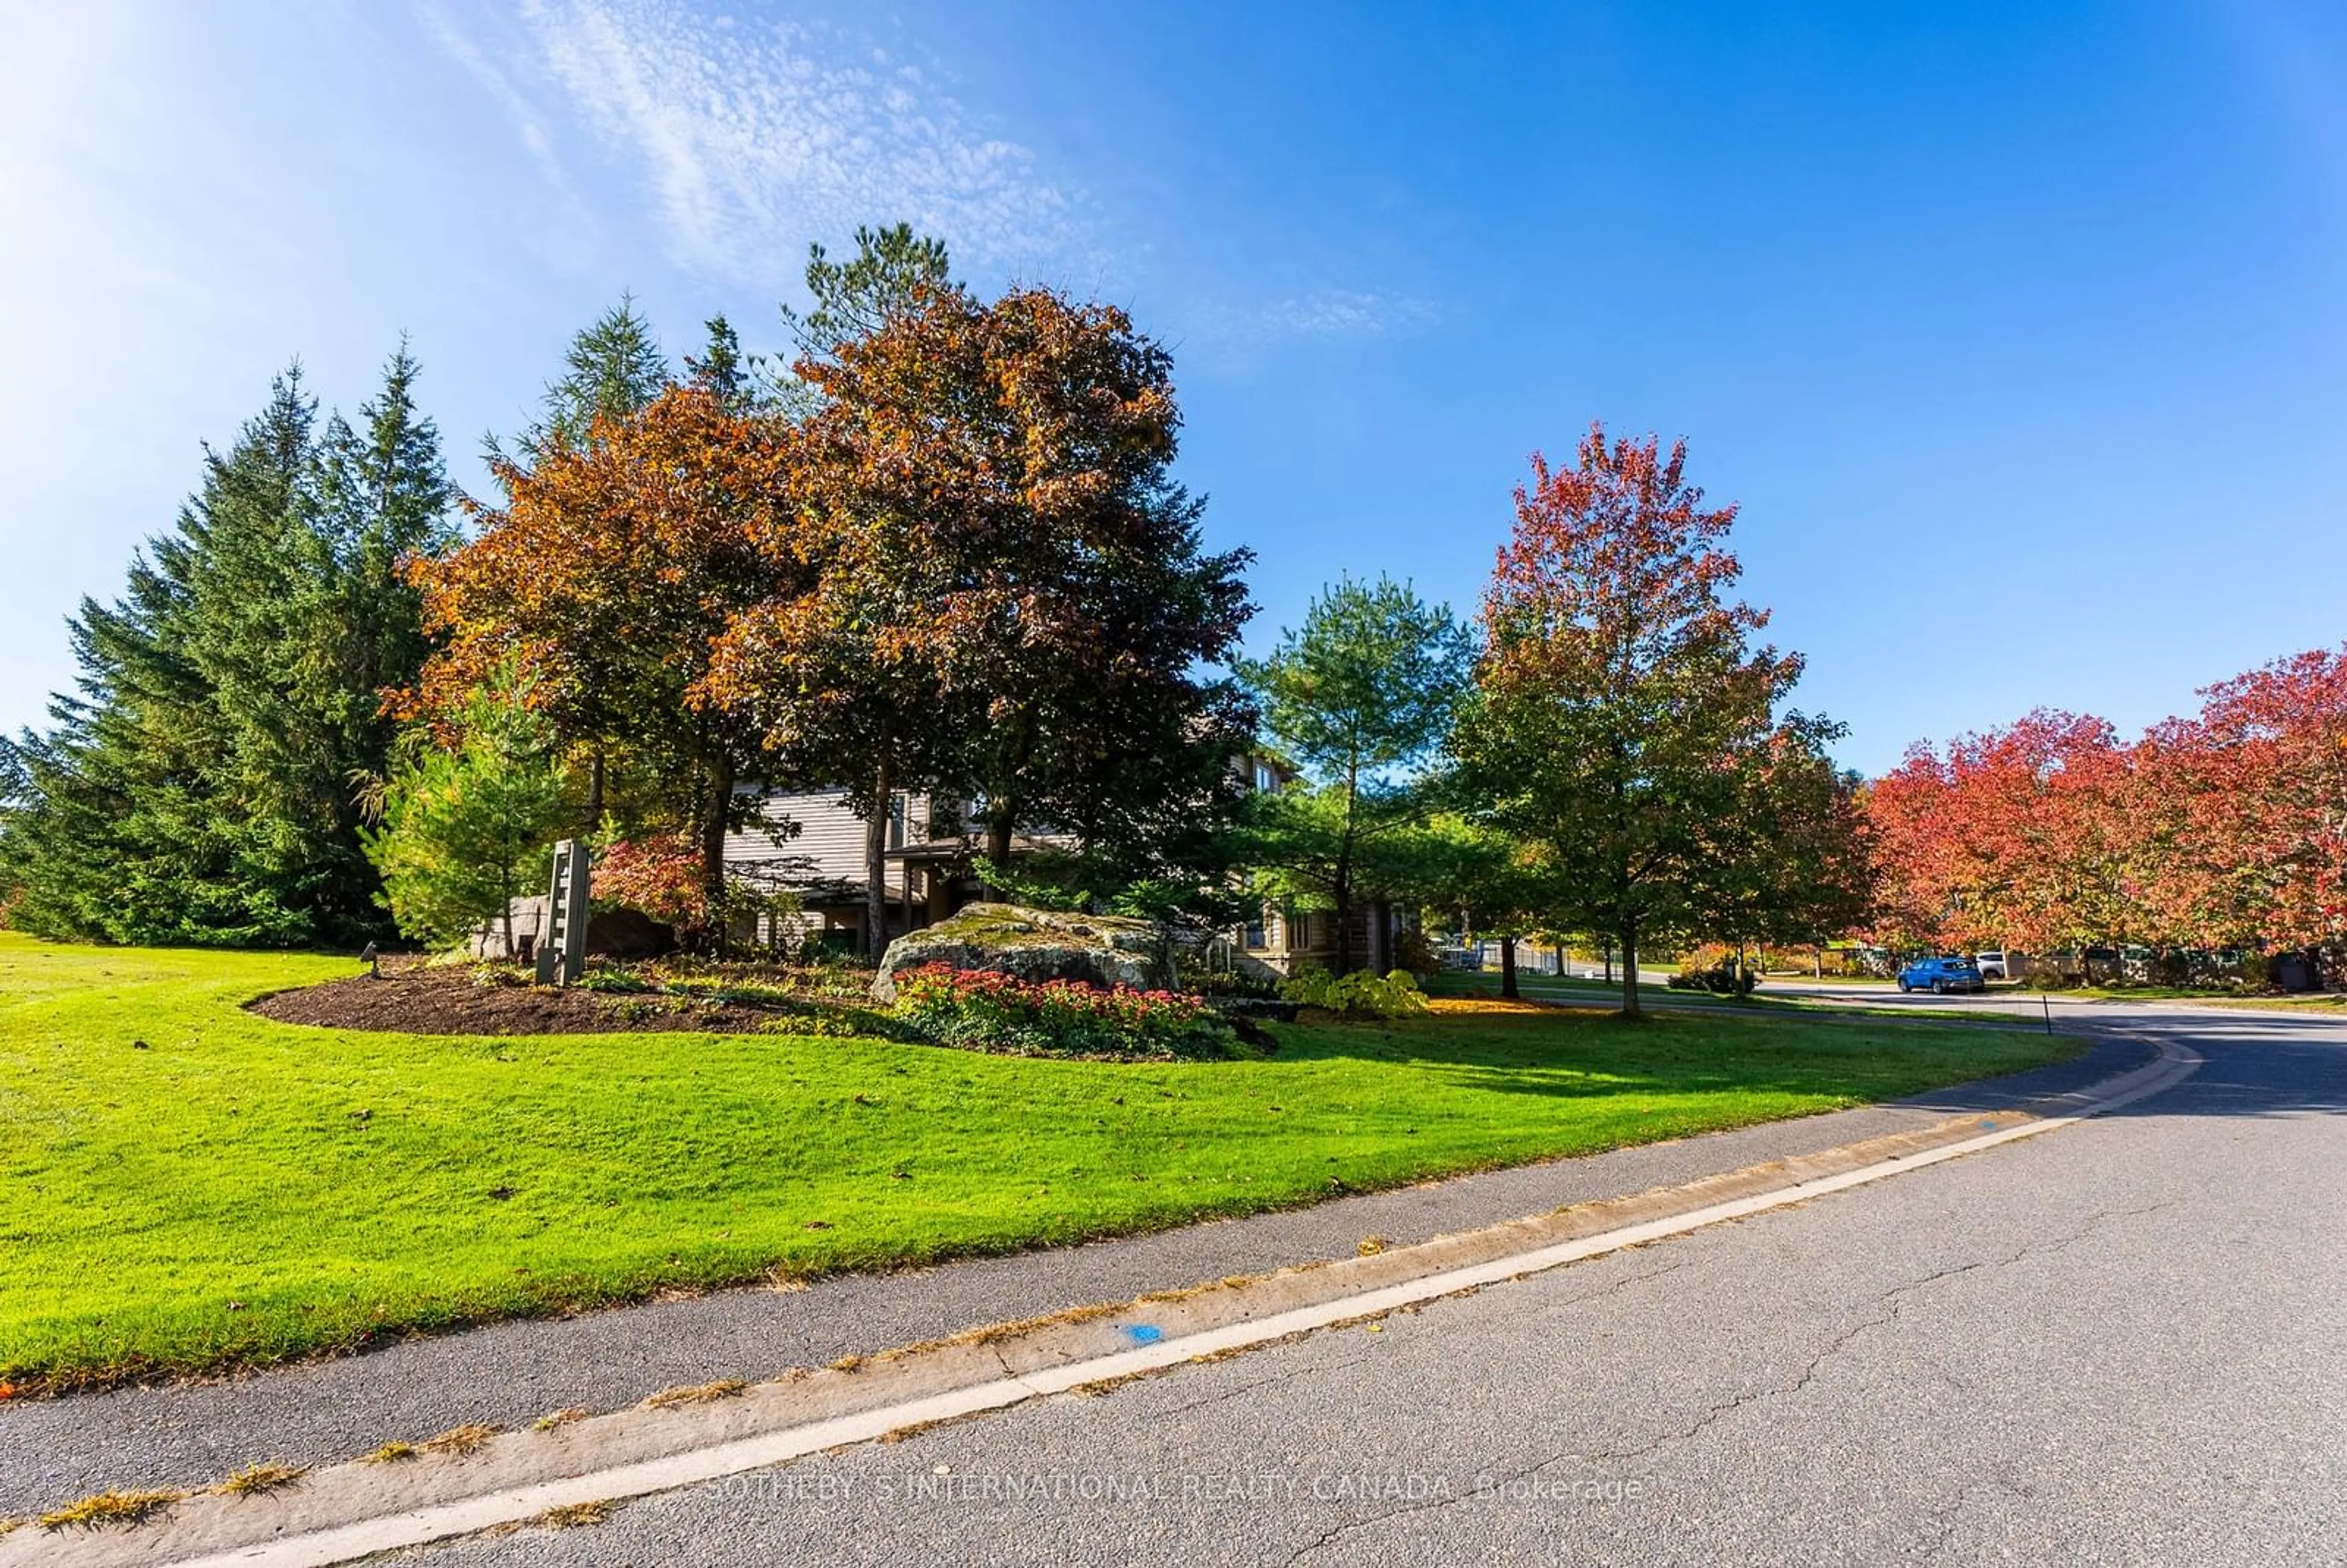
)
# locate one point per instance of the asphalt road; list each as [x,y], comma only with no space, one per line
[2125,1342]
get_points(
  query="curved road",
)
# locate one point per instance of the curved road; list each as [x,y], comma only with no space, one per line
[2125,1342]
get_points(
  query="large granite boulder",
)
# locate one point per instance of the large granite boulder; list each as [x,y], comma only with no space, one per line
[629,934]
[1033,945]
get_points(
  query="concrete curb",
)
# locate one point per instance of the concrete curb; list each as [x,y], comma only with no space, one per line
[353,1510]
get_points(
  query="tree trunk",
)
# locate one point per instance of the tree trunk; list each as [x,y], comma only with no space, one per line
[594,794]
[876,864]
[1630,968]
[714,810]
[1342,896]
[1508,967]
[997,837]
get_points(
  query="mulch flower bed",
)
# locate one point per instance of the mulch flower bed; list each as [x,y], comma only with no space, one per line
[416,997]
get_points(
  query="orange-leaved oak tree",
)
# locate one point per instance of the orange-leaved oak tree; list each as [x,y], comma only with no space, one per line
[1618,712]
[606,578]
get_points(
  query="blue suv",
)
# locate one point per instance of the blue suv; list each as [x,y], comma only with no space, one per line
[1942,975]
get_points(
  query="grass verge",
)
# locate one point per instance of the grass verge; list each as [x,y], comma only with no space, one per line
[2302,1002]
[1540,987]
[186,1186]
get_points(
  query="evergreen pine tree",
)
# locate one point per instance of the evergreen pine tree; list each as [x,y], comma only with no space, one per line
[720,369]
[612,368]
[198,788]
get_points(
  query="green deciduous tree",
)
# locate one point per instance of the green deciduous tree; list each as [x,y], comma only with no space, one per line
[1790,859]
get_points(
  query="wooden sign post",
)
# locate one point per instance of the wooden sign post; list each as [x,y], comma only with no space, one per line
[562,951]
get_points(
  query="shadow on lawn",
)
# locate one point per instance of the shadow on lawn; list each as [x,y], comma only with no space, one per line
[1583,1055]
[2257,1064]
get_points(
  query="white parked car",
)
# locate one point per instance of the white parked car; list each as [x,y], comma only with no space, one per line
[1992,966]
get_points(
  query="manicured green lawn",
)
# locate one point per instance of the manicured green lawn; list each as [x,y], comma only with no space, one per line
[185,1186]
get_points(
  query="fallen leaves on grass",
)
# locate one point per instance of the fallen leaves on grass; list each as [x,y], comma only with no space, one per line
[110,1508]
[254,1480]
[460,1440]
[1462,1006]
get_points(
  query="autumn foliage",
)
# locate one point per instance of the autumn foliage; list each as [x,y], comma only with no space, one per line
[2224,829]
[659,873]
[608,574]
[1623,723]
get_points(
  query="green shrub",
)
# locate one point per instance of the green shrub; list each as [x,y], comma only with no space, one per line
[1721,979]
[1357,995]
[1230,983]
[612,980]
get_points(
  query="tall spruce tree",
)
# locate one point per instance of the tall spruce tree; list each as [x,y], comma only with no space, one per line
[613,368]
[199,787]
[720,370]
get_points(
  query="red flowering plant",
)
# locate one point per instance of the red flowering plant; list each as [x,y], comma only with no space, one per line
[658,875]
[981,1009]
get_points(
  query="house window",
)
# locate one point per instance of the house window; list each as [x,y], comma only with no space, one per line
[1258,934]
[1267,777]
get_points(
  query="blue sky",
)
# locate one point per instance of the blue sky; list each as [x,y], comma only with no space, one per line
[2015,328]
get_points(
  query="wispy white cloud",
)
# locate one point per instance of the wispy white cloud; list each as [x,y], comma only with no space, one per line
[529,121]
[757,136]
[1348,313]
[753,136]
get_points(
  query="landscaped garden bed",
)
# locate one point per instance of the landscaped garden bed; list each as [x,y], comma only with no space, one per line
[935,1005]
[414,995]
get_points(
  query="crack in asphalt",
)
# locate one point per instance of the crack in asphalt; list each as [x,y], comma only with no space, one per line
[1718,1411]
[1897,1305]
[1261,1383]
[1484,1482]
